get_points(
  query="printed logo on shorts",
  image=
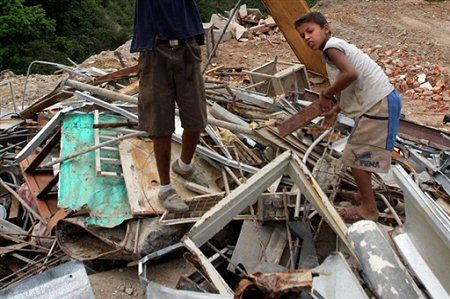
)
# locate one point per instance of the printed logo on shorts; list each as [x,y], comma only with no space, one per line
[365,159]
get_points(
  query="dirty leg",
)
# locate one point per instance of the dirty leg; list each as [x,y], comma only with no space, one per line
[162,147]
[189,144]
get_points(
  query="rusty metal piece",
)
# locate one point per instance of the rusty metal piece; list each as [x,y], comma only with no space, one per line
[45,101]
[61,214]
[37,182]
[122,73]
[89,243]
[419,133]
[274,285]
[83,242]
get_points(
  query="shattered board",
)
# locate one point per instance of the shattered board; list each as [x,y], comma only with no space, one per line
[105,197]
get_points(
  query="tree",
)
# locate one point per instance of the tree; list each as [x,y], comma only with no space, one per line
[20,27]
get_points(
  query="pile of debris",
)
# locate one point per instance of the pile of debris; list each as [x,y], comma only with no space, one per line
[245,24]
[79,181]
[427,84]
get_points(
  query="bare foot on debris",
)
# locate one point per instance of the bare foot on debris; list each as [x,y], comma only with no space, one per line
[353,197]
[356,213]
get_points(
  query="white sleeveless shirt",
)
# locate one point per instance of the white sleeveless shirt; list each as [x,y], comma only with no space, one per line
[371,86]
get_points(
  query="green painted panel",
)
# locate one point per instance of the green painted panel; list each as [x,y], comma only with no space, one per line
[105,197]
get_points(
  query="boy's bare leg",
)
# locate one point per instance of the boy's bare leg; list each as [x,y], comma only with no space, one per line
[189,144]
[162,147]
[368,208]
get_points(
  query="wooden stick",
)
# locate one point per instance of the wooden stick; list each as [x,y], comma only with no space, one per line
[214,69]
[249,151]
[225,181]
[92,148]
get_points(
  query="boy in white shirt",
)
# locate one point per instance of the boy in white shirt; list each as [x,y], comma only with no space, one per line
[365,94]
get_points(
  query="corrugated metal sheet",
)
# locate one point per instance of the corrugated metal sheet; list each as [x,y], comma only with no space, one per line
[104,197]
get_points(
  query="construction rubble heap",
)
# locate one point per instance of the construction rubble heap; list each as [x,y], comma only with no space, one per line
[78,184]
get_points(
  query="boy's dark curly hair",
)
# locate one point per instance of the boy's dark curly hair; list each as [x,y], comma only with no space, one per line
[312,17]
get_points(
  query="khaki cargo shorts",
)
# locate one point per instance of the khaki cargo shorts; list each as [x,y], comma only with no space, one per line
[169,75]
[373,137]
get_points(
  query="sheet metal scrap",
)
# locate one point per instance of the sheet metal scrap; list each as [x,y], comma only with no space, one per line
[274,285]
[69,281]
[80,187]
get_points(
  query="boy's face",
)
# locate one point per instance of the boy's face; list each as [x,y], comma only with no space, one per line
[314,35]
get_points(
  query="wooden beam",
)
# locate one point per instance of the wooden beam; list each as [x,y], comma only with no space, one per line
[214,276]
[285,13]
[141,176]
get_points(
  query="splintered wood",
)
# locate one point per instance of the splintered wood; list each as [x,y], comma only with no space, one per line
[141,176]
[301,119]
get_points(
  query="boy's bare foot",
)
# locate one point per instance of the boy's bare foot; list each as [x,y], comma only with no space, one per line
[356,213]
[353,197]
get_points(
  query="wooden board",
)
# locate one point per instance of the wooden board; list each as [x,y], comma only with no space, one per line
[301,119]
[285,13]
[141,176]
[130,89]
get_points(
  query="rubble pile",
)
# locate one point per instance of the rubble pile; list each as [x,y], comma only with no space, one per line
[78,181]
[246,24]
[425,83]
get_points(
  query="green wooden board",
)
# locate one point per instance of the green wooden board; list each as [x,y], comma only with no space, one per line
[79,186]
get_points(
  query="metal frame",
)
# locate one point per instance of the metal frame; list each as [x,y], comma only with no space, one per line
[425,244]
[240,198]
[246,194]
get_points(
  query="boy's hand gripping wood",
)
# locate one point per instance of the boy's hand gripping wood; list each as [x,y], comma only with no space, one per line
[304,116]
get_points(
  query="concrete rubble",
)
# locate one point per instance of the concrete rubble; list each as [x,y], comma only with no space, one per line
[79,181]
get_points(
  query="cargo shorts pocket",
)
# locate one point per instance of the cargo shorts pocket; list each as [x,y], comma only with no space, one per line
[144,65]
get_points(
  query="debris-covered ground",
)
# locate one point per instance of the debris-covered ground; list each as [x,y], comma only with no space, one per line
[79,182]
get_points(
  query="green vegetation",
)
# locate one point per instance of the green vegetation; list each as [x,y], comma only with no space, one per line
[56,29]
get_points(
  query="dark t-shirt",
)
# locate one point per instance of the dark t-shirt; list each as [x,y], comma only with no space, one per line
[165,19]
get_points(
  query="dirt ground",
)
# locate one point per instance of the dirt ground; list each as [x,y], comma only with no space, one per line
[411,35]
[124,282]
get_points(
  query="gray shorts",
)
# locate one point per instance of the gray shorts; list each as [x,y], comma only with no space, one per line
[167,76]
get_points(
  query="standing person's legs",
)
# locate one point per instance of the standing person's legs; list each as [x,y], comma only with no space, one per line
[157,114]
[366,152]
[162,148]
[189,144]
[191,101]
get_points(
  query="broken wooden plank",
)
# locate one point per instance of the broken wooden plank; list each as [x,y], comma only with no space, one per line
[276,245]
[300,119]
[141,176]
[131,89]
[122,73]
